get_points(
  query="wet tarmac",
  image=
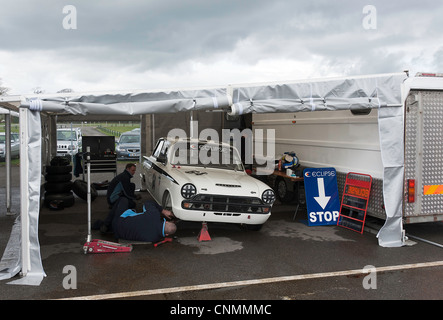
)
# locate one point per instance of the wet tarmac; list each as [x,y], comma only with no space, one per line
[286,260]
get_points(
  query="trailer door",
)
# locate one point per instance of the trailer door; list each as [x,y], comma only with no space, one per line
[424,156]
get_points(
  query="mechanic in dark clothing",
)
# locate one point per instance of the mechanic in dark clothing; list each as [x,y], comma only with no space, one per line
[121,185]
[148,225]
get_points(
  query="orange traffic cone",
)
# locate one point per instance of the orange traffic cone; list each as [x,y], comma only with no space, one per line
[204,234]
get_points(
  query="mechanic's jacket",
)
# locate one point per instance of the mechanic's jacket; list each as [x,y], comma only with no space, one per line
[120,185]
[146,226]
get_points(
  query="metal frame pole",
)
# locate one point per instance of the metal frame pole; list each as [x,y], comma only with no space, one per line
[88,166]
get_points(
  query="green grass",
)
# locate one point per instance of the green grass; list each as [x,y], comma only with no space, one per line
[113,130]
[14,162]
[14,128]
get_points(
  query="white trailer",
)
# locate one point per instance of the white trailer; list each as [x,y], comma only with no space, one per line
[349,140]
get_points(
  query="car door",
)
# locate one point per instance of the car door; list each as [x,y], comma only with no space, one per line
[152,169]
[161,182]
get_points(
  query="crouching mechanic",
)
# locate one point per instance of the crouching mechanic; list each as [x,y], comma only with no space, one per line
[121,185]
[149,225]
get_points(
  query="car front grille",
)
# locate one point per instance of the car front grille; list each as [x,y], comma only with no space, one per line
[222,203]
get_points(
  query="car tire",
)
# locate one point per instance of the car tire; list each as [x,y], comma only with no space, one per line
[67,198]
[80,188]
[58,177]
[54,170]
[58,187]
[60,161]
[166,201]
[282,190]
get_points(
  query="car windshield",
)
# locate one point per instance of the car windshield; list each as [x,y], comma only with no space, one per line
[2,139]
[129,139]
[208,155]
[66,135]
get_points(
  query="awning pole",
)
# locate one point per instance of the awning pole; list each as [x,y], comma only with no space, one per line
[24,191]
[88,166]
[8,162]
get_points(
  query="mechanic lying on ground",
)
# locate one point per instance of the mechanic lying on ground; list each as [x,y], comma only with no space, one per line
[148,226]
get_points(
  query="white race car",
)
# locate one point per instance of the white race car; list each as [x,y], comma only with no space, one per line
[205,181]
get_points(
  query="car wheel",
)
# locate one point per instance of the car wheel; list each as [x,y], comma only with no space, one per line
[282,190]
[166,201]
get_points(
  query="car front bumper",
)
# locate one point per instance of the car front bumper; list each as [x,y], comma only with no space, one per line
[127,155]
[224,217]
[221,208]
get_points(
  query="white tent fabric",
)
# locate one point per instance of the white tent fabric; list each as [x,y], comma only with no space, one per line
[133,104]
[315,95]
[380,91]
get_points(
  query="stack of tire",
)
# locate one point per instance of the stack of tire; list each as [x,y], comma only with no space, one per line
[58,185]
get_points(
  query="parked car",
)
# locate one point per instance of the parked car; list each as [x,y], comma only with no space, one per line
[128,145]
[15,146]
[208,191]
[69,142]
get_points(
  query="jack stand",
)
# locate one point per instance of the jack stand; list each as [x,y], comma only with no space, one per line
[204,234]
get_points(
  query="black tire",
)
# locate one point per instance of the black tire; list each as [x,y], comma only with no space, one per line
[60,161]
[80,188]
[166,201]
[67,198]
[282,190]
[58,177]
[53,170]
[58,187]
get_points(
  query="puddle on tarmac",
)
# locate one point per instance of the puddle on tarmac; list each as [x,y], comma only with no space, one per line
[215,246]
[281,228]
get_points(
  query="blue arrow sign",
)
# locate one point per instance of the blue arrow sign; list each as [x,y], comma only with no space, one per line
[322,200]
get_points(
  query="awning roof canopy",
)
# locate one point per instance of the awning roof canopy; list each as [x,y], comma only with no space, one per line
[375,91]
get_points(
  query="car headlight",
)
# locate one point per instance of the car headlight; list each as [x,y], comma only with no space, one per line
[268,196]
[188,191]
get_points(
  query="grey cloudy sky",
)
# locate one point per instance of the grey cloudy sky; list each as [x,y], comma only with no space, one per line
[144,44]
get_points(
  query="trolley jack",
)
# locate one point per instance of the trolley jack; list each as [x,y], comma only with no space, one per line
[102,246]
